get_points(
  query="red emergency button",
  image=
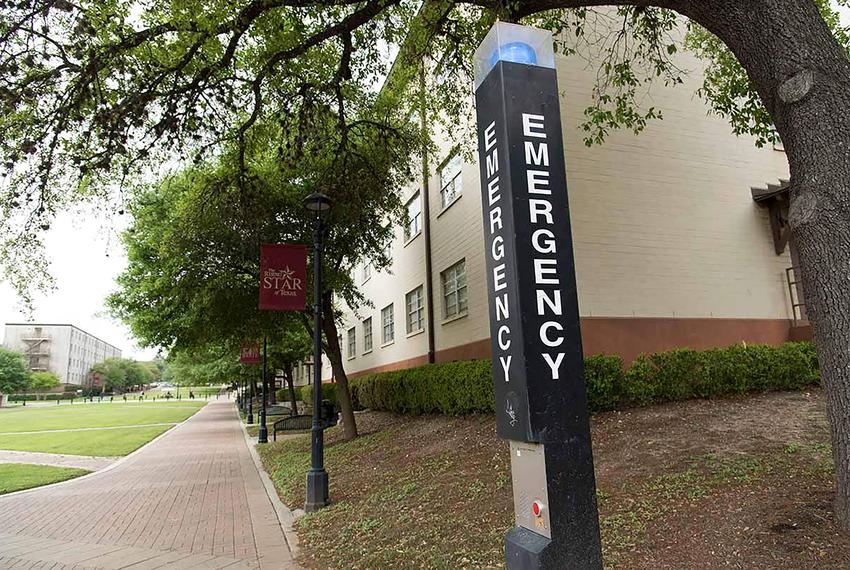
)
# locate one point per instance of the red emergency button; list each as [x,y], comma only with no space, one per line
[537,508]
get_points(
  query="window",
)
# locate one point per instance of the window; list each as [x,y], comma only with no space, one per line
[415,310]
[388,324]
[454,290]
[450,180]
[352,342]
[414,218]
[367,335]
[367,271]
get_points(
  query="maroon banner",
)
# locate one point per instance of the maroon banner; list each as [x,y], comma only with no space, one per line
[283,277]
[249,353]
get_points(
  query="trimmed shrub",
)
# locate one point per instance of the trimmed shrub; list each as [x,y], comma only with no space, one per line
[306,393]
[48,396]
[465,387]
[452,388]
[604,378]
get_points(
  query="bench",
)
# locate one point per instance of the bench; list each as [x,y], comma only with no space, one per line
[304,422]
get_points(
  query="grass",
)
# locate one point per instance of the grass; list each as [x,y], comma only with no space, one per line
[20,476]
[34,418]
[107,442]
[446,485]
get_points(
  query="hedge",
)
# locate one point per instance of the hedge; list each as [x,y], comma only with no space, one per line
[305,393]
[49,396]
[464,387]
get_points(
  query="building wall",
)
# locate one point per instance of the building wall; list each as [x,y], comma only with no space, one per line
[670,248]
[71,352]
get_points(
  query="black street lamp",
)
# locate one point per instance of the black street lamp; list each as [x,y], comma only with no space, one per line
[250,401]
[264,430]
[318,205]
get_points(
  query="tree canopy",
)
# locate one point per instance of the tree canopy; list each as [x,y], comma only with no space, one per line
[43,381]
[14,375]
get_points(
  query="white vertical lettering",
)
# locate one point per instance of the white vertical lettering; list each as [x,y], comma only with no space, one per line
[506,364]
[539,158]
[490,136]
[544,246]
[531,124]
[554,302]
[502,307]
[504,343]
[544,333]
[538,181]
[497,248]
[540,208]
[493,191]
[492,163]
[543,268]
[499,277]
[554,365]
[495,219]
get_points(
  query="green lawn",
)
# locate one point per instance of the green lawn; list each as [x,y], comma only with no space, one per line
[19,476]
[35,418]
[104,443]
[107,442]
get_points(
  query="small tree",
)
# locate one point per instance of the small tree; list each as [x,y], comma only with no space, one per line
[14,375]
[43,381]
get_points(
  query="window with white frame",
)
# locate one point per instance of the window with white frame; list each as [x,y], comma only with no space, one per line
[367,270]
[454,290]
[387,324]
[415,310]
[451,184]
[414,218]
[352,342]
[367,335]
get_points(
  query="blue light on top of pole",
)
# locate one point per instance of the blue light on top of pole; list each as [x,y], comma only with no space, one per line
[516,44]
[517,52]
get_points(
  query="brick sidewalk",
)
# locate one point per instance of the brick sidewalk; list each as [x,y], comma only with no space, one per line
[191,499]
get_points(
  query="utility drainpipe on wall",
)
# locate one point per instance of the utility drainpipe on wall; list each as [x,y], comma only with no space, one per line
[426,215]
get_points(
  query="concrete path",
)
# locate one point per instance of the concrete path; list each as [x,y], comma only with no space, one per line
[58,460]
[191,499]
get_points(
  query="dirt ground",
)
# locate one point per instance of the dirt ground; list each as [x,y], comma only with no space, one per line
[738,483]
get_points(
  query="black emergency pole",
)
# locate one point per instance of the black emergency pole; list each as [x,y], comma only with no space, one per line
[317,478]
[264,430]
[538,368]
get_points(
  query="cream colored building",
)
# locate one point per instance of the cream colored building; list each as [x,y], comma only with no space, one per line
[671,249]
[67,351]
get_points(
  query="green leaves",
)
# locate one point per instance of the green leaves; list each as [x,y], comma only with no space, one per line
[14,374]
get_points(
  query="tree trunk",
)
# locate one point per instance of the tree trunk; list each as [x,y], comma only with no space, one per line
[293,401]
[803,78]
[343,396]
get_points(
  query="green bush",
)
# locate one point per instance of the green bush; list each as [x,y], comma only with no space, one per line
[465,387]
[452,388]
[51,396]
[306,393]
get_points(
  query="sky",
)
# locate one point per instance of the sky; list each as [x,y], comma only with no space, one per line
[86,256]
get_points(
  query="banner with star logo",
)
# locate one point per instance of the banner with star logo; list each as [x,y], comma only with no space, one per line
[249,352]
[283,277]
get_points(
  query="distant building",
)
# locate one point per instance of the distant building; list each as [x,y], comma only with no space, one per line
[66,350]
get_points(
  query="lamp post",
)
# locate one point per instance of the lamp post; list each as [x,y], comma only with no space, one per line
[318,205]
[250,402]
[264,430]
